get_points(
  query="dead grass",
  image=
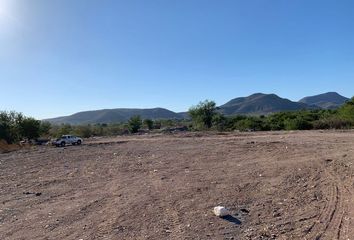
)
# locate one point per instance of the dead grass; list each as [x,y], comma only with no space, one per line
[6,148]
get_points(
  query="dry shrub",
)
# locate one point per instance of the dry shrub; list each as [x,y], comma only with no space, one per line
[332,123]
[5,147]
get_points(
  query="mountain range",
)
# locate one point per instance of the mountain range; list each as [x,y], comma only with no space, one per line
[255,104]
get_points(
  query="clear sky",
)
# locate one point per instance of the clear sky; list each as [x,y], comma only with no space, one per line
[58,57]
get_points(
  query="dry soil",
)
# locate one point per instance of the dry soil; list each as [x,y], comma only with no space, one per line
[277,185]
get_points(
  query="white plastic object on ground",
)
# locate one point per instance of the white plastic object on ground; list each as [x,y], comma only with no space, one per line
[221,211]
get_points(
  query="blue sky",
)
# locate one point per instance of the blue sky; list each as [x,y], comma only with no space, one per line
[59,57]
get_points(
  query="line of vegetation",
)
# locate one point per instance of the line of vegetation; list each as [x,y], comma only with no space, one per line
[204,116]
[15,127]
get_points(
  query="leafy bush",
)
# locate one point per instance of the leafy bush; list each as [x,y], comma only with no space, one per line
[202,114]
[15,126]
[149,123]
[9,127]
[84,131]
[44,128]
[298,123]
[346,112]
[64,129]
[219,122]
[134,124]
[30,128]
[275,122]
[250,124]
[332,123]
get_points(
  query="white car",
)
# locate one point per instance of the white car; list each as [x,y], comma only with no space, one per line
[67,139]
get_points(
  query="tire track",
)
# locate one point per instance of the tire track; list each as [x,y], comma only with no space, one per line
[330,222]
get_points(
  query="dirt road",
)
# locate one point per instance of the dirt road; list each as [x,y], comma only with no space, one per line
[280,185]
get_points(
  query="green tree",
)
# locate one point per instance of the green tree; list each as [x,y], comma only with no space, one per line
[44,129]
[84,131]
[149,123]
[134,124]
[346,112]
[202,114]
[29,128]
[6,127]
[219,122]
[64,129]
[14,126]
[9,126]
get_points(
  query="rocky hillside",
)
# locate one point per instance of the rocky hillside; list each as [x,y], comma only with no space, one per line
[330,100]
[260,103]
[114,115]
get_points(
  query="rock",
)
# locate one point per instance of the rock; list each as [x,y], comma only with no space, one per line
[221,211]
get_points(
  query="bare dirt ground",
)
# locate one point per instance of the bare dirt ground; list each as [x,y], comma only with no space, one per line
[294,185]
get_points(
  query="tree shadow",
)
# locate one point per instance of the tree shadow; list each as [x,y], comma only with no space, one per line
[232,219]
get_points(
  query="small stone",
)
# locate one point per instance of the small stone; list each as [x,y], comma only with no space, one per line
[221,211]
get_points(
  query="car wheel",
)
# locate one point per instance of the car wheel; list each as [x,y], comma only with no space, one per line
[62,144]
[78,142]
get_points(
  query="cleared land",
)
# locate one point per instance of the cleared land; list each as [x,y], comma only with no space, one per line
[295,185]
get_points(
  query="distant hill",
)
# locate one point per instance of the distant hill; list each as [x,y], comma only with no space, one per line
[256,104]
[260,103]
[330,100]
[114,115]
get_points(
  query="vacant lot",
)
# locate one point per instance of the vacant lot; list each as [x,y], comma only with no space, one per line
[294,185]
